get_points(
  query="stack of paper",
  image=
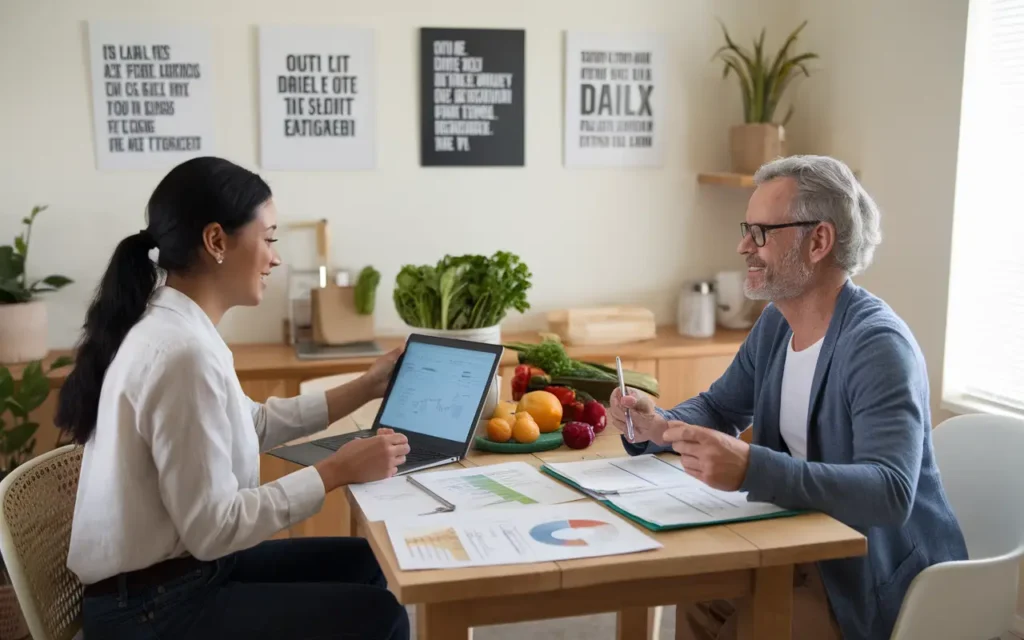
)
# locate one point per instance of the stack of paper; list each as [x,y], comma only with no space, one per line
[509,484]
[500,485]
[659,495]
[493,537]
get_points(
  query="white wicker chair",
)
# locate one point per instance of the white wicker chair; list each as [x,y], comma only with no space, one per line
[37,502]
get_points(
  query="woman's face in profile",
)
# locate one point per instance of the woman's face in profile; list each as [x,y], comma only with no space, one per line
[251,257]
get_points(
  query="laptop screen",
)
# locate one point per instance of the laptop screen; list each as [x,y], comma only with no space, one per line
[437,390]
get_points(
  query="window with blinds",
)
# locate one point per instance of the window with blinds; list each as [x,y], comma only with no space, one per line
[984,363]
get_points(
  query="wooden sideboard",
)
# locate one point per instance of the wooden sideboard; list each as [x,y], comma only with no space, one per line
[683,366]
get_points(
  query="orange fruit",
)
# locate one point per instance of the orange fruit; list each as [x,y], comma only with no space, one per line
[545,407]
[525,430]
[499,430]
[505,410]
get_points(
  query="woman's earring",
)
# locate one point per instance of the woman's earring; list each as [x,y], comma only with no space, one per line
[220,259]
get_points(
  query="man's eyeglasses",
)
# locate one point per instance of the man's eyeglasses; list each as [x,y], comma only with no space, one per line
[759,232]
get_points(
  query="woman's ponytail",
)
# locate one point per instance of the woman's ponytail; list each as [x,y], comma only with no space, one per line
[196,193]
[119,303]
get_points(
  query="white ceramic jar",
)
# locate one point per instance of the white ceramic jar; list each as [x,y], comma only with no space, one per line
[695,316]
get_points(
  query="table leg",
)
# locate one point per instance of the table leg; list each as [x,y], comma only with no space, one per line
[635,622]
[768,613]
[441,622]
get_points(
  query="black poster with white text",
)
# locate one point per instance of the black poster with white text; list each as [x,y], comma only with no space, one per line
[472,97]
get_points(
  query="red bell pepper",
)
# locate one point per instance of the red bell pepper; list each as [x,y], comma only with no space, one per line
[521,380]
[565,395]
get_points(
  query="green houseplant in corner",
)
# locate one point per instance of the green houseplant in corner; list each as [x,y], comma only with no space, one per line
[22,314]
[763,80]
[17,402]
[17,444]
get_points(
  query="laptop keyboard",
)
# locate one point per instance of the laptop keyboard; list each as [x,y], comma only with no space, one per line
[336,442]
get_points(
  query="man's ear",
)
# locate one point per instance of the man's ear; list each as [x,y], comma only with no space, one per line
[822,241]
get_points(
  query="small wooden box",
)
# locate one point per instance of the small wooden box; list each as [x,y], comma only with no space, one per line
[335,319]
[603,325]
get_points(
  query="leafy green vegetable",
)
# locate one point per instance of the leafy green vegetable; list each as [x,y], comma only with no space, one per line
[366,290]
[462,292]
[550,356]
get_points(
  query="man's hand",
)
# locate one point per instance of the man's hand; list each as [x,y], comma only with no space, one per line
[647,423]
[718,460]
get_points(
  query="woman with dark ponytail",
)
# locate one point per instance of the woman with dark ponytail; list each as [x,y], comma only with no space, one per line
[171,525]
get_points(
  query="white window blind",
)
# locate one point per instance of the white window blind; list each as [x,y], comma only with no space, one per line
[984,364]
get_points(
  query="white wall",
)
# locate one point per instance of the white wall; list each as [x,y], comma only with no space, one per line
[887,101]
[597,236]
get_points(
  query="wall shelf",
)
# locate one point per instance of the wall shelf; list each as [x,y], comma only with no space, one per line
[726,179]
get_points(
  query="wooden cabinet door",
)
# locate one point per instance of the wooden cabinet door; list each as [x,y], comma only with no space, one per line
[682,378]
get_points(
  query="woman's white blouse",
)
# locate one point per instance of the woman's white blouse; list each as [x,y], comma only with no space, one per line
[173,466]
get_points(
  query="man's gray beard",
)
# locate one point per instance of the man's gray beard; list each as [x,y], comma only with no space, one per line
[788,281]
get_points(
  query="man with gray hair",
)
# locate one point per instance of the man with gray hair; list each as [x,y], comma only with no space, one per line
[836,389]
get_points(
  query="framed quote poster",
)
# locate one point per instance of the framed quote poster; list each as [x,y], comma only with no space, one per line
[472,85]
[317,108]
[614,99]
[151,94]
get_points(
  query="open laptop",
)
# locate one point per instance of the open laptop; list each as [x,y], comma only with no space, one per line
[435,397]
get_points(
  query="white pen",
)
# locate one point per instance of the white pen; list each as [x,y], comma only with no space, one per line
[622,388]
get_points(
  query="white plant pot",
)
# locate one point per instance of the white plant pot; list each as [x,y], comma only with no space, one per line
[23,332]
[491,335]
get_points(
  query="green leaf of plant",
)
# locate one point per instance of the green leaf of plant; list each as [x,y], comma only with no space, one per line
[784,50]
[13,291]
[36,210]
[733,63]
[19,245]
[16,437]
[62,361]
[57,281]
[26,220]
[742,53]
[16,409]
[11,264]
[34,387]
[6,384]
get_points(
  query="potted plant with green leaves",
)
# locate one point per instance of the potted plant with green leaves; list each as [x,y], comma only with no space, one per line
[17,444]
[763,80]
[23,326]
[463,297]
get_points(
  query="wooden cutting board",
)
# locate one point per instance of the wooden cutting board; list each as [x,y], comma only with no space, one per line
[602,325]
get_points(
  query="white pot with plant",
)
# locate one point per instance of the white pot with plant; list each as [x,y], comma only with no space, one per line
[463,297]
[763,80]
[23,325]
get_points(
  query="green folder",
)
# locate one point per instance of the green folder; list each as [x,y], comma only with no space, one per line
[668,527]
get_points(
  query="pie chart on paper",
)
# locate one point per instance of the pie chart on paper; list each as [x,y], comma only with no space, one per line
[573,533]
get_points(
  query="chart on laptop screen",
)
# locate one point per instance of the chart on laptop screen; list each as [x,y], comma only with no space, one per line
[437,390]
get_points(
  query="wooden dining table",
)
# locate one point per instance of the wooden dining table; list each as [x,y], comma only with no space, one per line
[750,562]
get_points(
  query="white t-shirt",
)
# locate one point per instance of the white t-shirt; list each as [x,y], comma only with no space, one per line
[797,378]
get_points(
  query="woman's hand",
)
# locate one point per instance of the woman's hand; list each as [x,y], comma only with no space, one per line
[364,460]
[375,381]
[344,399]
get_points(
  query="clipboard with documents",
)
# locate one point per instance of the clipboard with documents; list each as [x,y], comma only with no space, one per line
[658,494]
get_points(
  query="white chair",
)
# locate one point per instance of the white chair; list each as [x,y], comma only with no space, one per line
[979,457]
[37,502]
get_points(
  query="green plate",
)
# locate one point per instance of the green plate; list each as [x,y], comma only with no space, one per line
[546,442]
